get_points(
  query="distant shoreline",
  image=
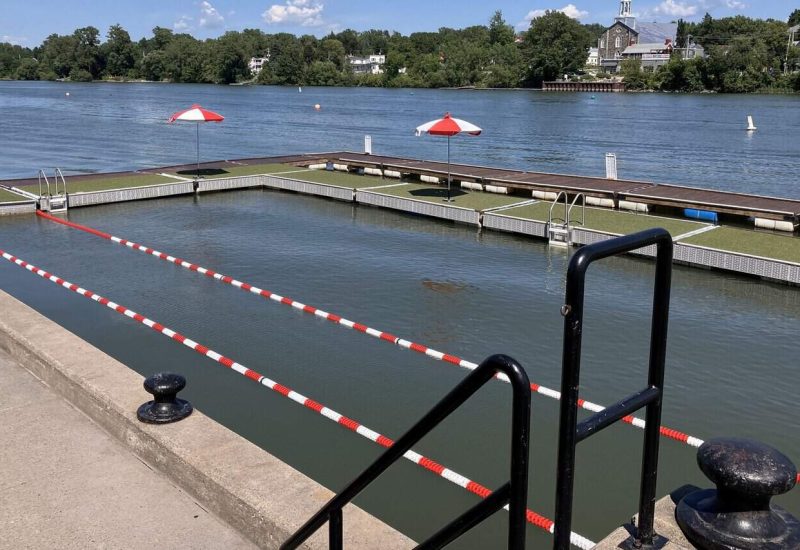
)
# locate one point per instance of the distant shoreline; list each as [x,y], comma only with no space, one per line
[458,88]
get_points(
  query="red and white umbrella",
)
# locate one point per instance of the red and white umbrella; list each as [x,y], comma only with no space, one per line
[448,126]
[198,115]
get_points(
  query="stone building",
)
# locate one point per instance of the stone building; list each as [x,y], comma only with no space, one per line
[613,42]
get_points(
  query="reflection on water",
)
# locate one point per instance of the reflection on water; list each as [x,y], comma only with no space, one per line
[730,367]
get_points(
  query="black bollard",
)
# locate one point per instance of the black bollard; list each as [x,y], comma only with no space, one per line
[166,407]
[738,515]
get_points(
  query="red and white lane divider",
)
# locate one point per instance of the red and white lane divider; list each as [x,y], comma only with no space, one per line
[381,335]
[418,459]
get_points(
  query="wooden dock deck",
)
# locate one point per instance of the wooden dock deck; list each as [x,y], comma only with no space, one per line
[656,195]
[664,198]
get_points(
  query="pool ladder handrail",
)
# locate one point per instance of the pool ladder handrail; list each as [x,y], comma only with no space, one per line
[53,201]
[560,234]
[514,492]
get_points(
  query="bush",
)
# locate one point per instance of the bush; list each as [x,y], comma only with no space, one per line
[80,75]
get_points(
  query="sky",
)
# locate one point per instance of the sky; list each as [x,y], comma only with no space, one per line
[28,23]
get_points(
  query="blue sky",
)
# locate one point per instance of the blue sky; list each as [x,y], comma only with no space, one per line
[28,22]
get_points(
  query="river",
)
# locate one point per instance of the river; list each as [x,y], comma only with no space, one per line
[732,353]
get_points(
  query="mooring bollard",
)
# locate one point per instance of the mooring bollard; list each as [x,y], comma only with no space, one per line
[166,407]
[738,513]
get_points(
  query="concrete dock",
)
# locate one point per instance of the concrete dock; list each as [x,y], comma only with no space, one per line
[80,471]
[67,484]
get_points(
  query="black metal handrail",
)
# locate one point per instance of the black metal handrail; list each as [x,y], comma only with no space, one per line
[570,432]
[514,492]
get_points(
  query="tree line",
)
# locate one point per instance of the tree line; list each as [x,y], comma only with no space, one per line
[744,55]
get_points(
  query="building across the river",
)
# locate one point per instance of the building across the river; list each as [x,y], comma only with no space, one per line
[651,43]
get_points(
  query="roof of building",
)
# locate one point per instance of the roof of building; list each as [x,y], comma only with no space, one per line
[656,32]
[796,28]
[656,47]
[631,29]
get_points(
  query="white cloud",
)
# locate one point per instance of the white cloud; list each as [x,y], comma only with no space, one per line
[570,10]
[209,16]
[302,12]
[735,4]
[182,24]
[13,40]
[676,8]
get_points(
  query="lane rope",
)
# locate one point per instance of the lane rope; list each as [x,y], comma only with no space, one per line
[354,426]
[379,334]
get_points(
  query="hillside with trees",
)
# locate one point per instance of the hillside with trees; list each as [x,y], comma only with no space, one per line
[744,55]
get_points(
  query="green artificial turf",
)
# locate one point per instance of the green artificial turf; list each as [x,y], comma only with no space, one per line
[603,219]
[7,196]
[232,170]
[746,241]
[76,185]
[475,200]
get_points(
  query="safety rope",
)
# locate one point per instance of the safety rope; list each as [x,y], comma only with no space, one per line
[418,459]
[379,334]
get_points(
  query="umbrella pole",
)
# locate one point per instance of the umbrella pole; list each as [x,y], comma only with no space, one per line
[197,125]
[448,168]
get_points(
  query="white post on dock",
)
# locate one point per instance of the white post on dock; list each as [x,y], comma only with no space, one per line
[368,145]
[611,166]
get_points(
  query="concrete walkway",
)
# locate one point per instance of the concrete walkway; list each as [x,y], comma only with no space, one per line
[65,483]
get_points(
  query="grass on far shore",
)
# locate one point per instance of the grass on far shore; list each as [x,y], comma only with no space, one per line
[604,219]
[8,196]
[748,241]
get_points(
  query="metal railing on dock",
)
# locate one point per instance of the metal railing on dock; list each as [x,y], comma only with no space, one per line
[651,397]
[514,492]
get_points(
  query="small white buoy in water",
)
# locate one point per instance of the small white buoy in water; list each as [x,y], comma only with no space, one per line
[67,94]
[317,106]
[300,89]
[750,126]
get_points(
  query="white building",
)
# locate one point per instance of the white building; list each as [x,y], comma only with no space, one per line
[372,64]
[594,57]
[257,63]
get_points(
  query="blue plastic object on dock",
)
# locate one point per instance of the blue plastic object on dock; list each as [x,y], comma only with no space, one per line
[705,215]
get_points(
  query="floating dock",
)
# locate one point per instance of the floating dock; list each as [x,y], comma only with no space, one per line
[588,209]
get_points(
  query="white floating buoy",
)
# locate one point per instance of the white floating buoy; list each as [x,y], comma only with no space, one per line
[750,126]
[67,94]
[317,106]
[300,89]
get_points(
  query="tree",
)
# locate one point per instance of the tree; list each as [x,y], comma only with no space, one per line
[118,51]
[794,18]
[286,60]
[680,76]
[682,34]
[58,54]
[87,52]
[500,32]
[28,69]
[554,45]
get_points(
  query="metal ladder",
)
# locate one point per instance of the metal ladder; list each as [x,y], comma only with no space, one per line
[53,201]
[559,230]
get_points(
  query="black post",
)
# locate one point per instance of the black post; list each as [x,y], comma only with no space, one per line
[655,379]
[651,397]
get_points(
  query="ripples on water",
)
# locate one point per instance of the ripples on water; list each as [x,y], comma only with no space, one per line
[732,346]
[693,139]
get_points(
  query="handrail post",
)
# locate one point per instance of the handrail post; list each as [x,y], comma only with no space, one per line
[651,397]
